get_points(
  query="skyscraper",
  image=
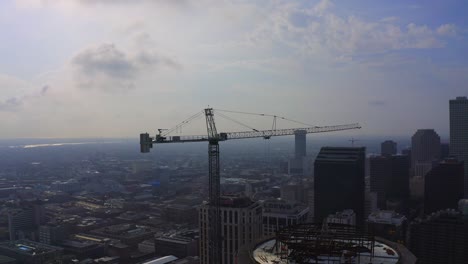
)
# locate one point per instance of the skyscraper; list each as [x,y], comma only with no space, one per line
[459,133]
[388,148]
[425,149]
[443,186]
[300,143]
[440,238]
[389,178]
[241,224]
[339,182]
[298,164]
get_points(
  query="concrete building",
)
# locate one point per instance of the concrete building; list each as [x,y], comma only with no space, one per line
[425,148]
[459,133]
[388,148]
[24,221]
[345,217]
[388,224]
[180,245]
[241,224]
[339,182]
[443,186]
[280,213]
[292,192]
[441,237]
[52,234]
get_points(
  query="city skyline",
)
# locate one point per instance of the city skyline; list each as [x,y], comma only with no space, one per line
[82,69]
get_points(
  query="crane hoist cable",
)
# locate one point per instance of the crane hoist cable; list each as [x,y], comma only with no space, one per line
[183,123]
[235,121]
[260,114]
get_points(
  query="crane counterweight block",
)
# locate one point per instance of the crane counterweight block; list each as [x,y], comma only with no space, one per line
[146,143]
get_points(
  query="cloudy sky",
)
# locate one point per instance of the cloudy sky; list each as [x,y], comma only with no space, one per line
[115,68]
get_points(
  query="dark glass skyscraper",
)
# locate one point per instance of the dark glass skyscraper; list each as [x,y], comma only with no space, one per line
[389,178]
[388,148]
[459,133]
[425,149]
[339,182]
[443,186]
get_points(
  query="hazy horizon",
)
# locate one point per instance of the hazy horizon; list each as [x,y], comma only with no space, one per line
[97,68]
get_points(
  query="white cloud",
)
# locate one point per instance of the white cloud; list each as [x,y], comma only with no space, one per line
[447,30]
[108,68]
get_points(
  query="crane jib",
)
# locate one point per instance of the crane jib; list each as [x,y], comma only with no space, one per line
[146,140]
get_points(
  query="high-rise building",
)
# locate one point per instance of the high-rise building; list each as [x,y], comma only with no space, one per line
[300,143]
[339,182]
[425,149]
[380,174]
[441,237]
[23,222]
[298,165]
[444,150]
[280,213]
[241,224]
[443,186]
[388,148]
[459,133]
[389,178]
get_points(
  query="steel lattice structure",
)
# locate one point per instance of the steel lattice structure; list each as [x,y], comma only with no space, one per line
[311,243]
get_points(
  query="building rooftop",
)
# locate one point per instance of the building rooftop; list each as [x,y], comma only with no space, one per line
[26,247]
[341,154]
[235,201]
[386,217]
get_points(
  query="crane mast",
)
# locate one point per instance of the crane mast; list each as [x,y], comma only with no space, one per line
[213,138]
[214,220]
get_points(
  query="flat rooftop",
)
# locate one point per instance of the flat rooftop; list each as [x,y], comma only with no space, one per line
[26,247]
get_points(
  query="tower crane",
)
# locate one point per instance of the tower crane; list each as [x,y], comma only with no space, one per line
[213,138]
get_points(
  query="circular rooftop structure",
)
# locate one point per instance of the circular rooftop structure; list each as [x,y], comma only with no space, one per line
[332,243]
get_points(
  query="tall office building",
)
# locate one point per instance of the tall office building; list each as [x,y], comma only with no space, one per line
[443,186]
[425,149]
[441,237]
[241,224]
[388,148]
[459,133]
[339,182]
[298,165]
[300,143]
[389,178]
[23,222]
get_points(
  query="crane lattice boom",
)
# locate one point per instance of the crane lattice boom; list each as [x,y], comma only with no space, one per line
[147,141]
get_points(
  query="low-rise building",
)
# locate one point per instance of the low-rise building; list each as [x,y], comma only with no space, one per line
[388,224]
[345,217]
[29,252]
[280,213]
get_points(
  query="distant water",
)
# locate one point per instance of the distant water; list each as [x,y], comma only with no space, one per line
[40,143]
